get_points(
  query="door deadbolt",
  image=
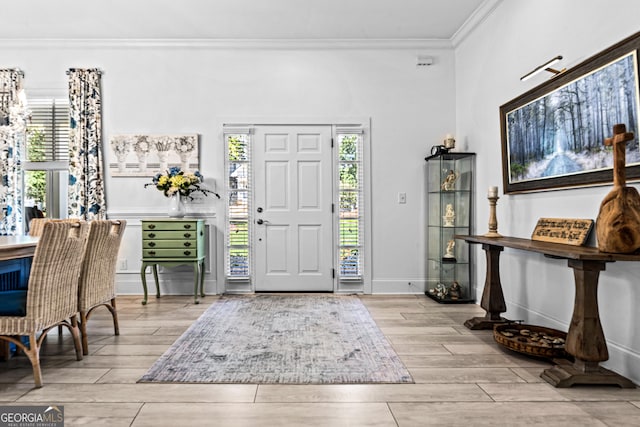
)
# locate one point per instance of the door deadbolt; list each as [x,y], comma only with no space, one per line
[259,210]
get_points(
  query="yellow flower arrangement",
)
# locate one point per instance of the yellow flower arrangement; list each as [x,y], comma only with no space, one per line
[176,180]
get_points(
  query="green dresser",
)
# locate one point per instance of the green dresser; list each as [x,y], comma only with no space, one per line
[172,242]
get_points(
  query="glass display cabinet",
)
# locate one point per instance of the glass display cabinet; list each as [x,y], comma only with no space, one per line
[449,198]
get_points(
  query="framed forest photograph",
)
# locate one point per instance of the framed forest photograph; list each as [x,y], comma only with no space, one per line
[553,135]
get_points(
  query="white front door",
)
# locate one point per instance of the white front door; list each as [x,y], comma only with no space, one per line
[292,208]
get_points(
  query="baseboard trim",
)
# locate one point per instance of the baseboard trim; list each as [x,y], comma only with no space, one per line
[170,284]
[398,286]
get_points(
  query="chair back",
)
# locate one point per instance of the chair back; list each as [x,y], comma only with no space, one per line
[37,224]
[97,277]
[52,293]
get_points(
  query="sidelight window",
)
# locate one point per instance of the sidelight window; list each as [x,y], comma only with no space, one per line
[238,186]
[350,202]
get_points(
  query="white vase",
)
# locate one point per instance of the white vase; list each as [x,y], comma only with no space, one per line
[176,206]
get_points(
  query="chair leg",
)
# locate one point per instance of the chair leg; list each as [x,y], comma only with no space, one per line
[114,314]
[84,318]
[75,332]
[32,351]
[83,332]
[34,355]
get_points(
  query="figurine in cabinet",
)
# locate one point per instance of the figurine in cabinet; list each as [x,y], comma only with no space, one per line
[441,291]
[455,291]
[449,216]
[449,256]
[449,181]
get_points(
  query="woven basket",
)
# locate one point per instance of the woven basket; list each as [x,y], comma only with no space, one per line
[523,344]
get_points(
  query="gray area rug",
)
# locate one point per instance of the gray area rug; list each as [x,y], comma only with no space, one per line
[282,339]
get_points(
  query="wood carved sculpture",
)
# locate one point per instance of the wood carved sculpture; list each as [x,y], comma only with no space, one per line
[618,223]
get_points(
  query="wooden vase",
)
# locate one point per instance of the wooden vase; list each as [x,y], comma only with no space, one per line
[618,223]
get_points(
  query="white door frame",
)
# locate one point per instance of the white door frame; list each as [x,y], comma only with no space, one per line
[248,121]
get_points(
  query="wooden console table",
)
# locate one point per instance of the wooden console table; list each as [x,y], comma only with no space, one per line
[585,338]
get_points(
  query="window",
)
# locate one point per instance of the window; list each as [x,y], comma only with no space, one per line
[238,186]
[350,213]
[47,155]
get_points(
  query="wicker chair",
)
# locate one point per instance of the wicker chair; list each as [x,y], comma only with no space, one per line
[52,294]
[36,225]
[97,278]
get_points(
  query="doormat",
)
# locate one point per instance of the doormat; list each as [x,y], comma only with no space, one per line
[282,339]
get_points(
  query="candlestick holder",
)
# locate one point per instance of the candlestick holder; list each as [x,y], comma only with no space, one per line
[493,220]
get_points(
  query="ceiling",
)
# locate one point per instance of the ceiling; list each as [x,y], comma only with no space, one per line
[237,19]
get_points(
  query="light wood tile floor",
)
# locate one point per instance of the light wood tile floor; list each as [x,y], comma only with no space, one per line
[462,378]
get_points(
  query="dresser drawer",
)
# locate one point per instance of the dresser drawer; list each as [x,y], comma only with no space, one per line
[169,225]
[170,235]
[170,253]
[169,244]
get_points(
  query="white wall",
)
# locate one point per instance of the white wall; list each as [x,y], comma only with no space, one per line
[182,88]
[517,37]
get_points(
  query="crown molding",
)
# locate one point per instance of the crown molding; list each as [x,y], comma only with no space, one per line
[477,17]
[266,44]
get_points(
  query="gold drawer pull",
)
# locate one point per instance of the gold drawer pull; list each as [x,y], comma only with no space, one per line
[152,235]
[187,235]
[152,244]
[152,226]
[187,226]
[187,253]
[187,244]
